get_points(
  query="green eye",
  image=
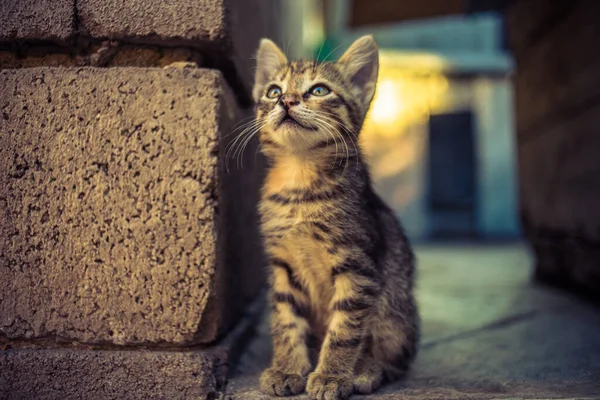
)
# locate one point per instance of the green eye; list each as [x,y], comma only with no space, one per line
[320,90]
[274,91]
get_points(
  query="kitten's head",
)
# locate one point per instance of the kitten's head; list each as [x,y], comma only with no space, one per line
[305,105]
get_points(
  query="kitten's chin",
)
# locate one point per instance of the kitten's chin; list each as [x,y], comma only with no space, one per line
[291,139]
[290,123]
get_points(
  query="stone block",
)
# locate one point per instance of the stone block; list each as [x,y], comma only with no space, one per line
[37,19]
[559,176]
[558,115]
[110,374]
[33,372]
[118,221]
[204,20]
[228,31]
[560,188]
[557,70]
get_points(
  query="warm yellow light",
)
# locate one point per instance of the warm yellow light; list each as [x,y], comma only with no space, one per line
[388,102]
[411,87]
[404,96]
[407,93]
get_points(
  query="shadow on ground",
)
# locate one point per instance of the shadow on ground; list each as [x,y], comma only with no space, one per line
[488,333]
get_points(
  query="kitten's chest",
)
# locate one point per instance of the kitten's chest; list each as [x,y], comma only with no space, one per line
[289,218]
[291,209]
[293,228]
[284,204]
[294,234]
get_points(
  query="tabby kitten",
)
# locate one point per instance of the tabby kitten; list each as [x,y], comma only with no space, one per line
[341,268]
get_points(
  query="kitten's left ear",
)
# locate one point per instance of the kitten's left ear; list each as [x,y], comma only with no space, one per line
[269,59]
[360,65]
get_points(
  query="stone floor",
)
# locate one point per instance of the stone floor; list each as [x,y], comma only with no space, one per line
[488,333]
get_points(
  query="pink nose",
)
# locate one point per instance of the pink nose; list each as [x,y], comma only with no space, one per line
[289,100]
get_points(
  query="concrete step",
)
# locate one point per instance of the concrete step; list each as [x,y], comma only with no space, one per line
[85,372]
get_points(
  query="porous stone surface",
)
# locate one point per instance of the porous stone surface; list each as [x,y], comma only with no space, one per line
[558,114]
[228,31]
[111,374]
[118,221]
[36,19]
[198,20]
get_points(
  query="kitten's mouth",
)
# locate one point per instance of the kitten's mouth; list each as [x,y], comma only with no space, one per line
[291,121]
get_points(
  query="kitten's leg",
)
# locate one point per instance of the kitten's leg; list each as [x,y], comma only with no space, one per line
[369,375]
[395,338]
[369,371]
[289,331]
[354,296]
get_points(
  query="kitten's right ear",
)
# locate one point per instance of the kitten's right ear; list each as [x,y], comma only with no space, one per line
[360,64]
[269,59]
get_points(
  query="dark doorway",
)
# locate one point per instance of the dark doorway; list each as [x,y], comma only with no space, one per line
[451,170]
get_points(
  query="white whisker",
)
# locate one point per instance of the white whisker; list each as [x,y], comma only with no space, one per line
[353,136]
[250,129]
[329,122]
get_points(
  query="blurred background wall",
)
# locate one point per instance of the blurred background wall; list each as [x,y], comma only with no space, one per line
[484,124]
[440,132]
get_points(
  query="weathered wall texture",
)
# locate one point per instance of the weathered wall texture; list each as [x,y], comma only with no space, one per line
[558,115]
[37,20]
[110,199]
[194,20]
[129,252]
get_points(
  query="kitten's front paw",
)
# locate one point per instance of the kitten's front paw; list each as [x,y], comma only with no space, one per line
[277,383]
[329,387]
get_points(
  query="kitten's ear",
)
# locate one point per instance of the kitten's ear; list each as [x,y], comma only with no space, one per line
[360,65]
[269,59]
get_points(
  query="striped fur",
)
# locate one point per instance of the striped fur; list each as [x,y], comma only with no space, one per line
[341,268]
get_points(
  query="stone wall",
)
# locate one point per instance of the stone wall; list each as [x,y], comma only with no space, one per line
[122,225]
[558,118]
[220,34]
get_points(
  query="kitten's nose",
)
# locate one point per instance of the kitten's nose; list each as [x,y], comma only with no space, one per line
[289,100]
